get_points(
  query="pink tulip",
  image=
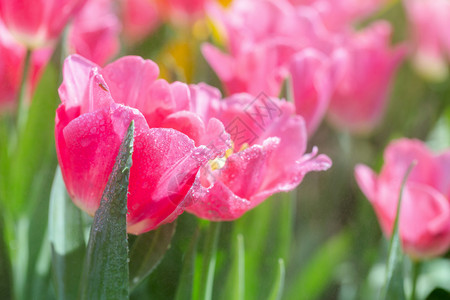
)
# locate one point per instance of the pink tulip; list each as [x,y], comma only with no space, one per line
[262,36]
[36,23]
[338,14]
[97,106]
[12,58]
[266,157]
[313,79]
[95,32]
[360,97]
[424,222]
[430,21]
[139,18]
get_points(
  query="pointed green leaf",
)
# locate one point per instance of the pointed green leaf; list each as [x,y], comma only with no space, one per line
[67,242]
[277,288]
[393,286]
[105,274]
[184,288]
[148,250]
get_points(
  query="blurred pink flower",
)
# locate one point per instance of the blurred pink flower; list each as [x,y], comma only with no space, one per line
[313,79]
[37,23]
[12,58]
[430,21]
[425,212]
[182,11]
[267,155]
[95,32]
[361,94]
[262,36]
[97,106]
[139,18]
[338,14]
[267,39]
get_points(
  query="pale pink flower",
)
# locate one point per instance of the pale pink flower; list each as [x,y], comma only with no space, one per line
[262,36]
[429,23]
[313,79]
[37,23]
[97,107]
[424,222]
[95,32]
[338,14]
[360,97]
[267,155]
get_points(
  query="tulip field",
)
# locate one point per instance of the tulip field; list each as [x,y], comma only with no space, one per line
[225,149]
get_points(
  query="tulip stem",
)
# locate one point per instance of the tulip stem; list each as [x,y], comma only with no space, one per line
[416,267]
[22,111]
[209,261]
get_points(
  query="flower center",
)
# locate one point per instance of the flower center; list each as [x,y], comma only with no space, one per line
[219,162]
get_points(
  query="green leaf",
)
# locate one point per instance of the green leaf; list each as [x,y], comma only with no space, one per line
[35,144]
[148,250]
[320,270]
[393,286]
[277,288]
[5,266]
[67,241]
[184,289]
[105,274]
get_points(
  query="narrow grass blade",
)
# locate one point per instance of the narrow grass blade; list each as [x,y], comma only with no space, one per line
[209,261]
[393,286]
[277,288]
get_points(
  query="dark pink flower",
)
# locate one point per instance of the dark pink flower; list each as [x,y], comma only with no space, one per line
[267,155]
[97,106]
[425,212]
[36,23]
